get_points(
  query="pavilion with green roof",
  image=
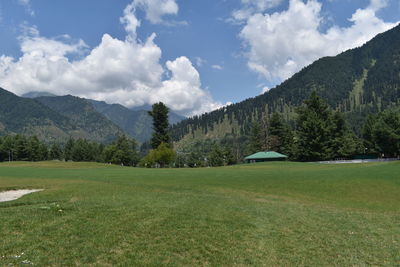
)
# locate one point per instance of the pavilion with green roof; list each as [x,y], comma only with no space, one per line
[265,156]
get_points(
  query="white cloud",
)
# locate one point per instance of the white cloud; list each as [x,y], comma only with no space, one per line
[199,61]
[217,67]
[130,21]
[253,6]
[282,43]
[156,9]
[28,7]
[183,91]
[116,71]
[262,5]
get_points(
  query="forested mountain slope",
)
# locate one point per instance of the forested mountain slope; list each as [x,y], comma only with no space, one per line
[54,119]
[358,82]
[27,116]
[136,123]
[88,123]
[97,120]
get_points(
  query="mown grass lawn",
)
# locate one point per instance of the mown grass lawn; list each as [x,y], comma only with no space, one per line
[271,214]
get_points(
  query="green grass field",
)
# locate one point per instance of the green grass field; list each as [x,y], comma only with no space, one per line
[272,214]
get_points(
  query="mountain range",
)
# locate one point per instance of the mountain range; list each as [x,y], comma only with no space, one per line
[136,122]
[56,118]
[357,82]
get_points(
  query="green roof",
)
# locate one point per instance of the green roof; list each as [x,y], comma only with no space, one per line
[266,155]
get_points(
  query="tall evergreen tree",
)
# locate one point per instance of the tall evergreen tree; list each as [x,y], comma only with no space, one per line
[21,151]
[34,153]
[368,135]
[280,137]
[256,142]
[68,149]
[313,129]
[159,113]
[386,132]
[43,152]
[8,148]
[56,152]
[343,142]
[381,133]
[216,157]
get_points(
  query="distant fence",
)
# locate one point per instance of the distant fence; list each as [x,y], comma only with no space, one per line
[357,161]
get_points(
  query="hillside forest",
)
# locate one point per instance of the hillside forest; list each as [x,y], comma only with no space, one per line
[319,133]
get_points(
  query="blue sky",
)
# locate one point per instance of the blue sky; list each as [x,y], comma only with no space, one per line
[204,54]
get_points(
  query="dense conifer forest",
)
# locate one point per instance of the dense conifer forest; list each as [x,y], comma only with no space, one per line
[357,82]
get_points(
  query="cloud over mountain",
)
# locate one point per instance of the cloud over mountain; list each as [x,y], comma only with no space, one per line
[281,43]
[117,71]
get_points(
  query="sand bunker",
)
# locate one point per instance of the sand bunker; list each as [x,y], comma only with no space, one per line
[15,194]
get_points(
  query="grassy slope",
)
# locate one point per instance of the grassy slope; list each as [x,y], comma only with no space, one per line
[263,214]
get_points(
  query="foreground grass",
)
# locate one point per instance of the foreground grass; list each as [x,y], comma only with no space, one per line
[262,214]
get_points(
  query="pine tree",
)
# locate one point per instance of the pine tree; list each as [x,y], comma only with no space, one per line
[256,143]
[368,135]
[126,152]
[68,149]
[280,137]
[386,132]
[216,157]
[343,142]
[21,151]
[313,129]
[159,113]
[56,152]
[43,152]
[34,149]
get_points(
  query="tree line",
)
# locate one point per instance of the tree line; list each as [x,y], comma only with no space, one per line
[122,151]
[319,133]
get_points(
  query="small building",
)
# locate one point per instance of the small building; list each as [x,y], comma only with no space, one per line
[265,156]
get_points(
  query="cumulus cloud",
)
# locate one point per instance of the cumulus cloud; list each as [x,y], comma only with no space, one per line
[116,71]
[27,5]
[185,85]
[130,21]
[156,9]
[282,43]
